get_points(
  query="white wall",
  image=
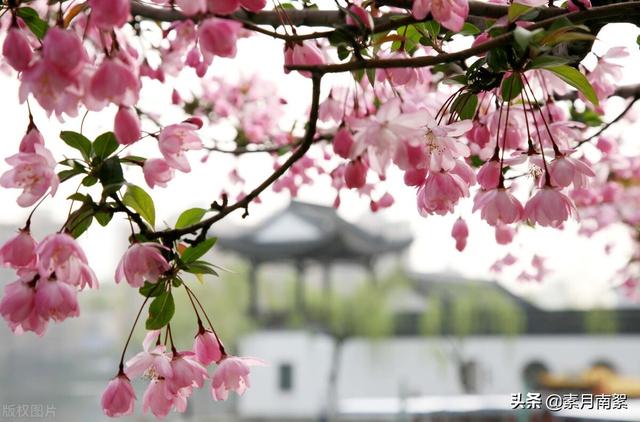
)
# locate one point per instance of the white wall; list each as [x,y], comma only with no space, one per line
[414,366]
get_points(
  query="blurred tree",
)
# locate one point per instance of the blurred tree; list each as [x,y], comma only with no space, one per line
[600,321]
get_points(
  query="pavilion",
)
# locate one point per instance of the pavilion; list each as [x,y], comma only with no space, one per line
[305,233]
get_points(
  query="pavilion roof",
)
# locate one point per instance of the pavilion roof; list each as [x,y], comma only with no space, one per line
[305,231]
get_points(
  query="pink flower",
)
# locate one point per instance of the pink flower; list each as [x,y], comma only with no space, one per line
[253,5]
[19,251]
[232,374]
[157,172]
[113,82]
[153,359]
[54,253]
[223,7]
[109,14]
[504,234]
[355,174]
[63,50]
[142,262]
[55,91]
[565,170]
[18,301]
[34,173]
[30,140]
[56,300]
[175,140]
[443,149]
[157,399]
[489,175]
[306,54]
[415,177]
[343,143]
[218,37]
[549,207]
[440,193]
[207,348]
[498,205]
[126,126]
[450,13]
[359,17]
[421,8]
[460,232]
[186,372]
[118,398]
[16,49]
[192,7]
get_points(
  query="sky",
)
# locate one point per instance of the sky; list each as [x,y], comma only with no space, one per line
[581,271]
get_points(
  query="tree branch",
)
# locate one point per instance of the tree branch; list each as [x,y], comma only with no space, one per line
[623,11]
[308,140]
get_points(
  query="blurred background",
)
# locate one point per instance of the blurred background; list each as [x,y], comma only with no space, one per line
[360,316]
[349,332]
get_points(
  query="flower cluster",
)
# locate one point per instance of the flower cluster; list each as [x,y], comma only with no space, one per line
[50,273]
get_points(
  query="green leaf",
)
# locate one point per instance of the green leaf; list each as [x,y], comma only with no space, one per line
[89,181]
[65,175]
[78,141]
[141,202]
[161,311]
[543,62]
[465,105]
[469,29]
[576,79]
[133,160]
[192,253]
[151,289]
[200,267]
[190,216]
[33,21]
[432,28]
[511,87]
[105,145]
[522,37]
[80,220]
[110,175]
[103,217]
[516,10]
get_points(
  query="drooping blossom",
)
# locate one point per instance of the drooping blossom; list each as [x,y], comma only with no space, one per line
[186,372]
[253,5]
[159,401]
[152,359]
[232,374]
[109,14]
[174,140]
[60,254]
[207,347]
[549,208]
[218,37]
[142,262]
[118,398]
[343,143]
[56,300]
[443,149]
[157,172]
[126,126]
[113,82]
[383,132]
[504,233]
[440,193]
[18,301]
[355,174]
[305,53]
[19,251]
[33,172]
[565,170]
[460,232]
[16,49]
[498,206]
